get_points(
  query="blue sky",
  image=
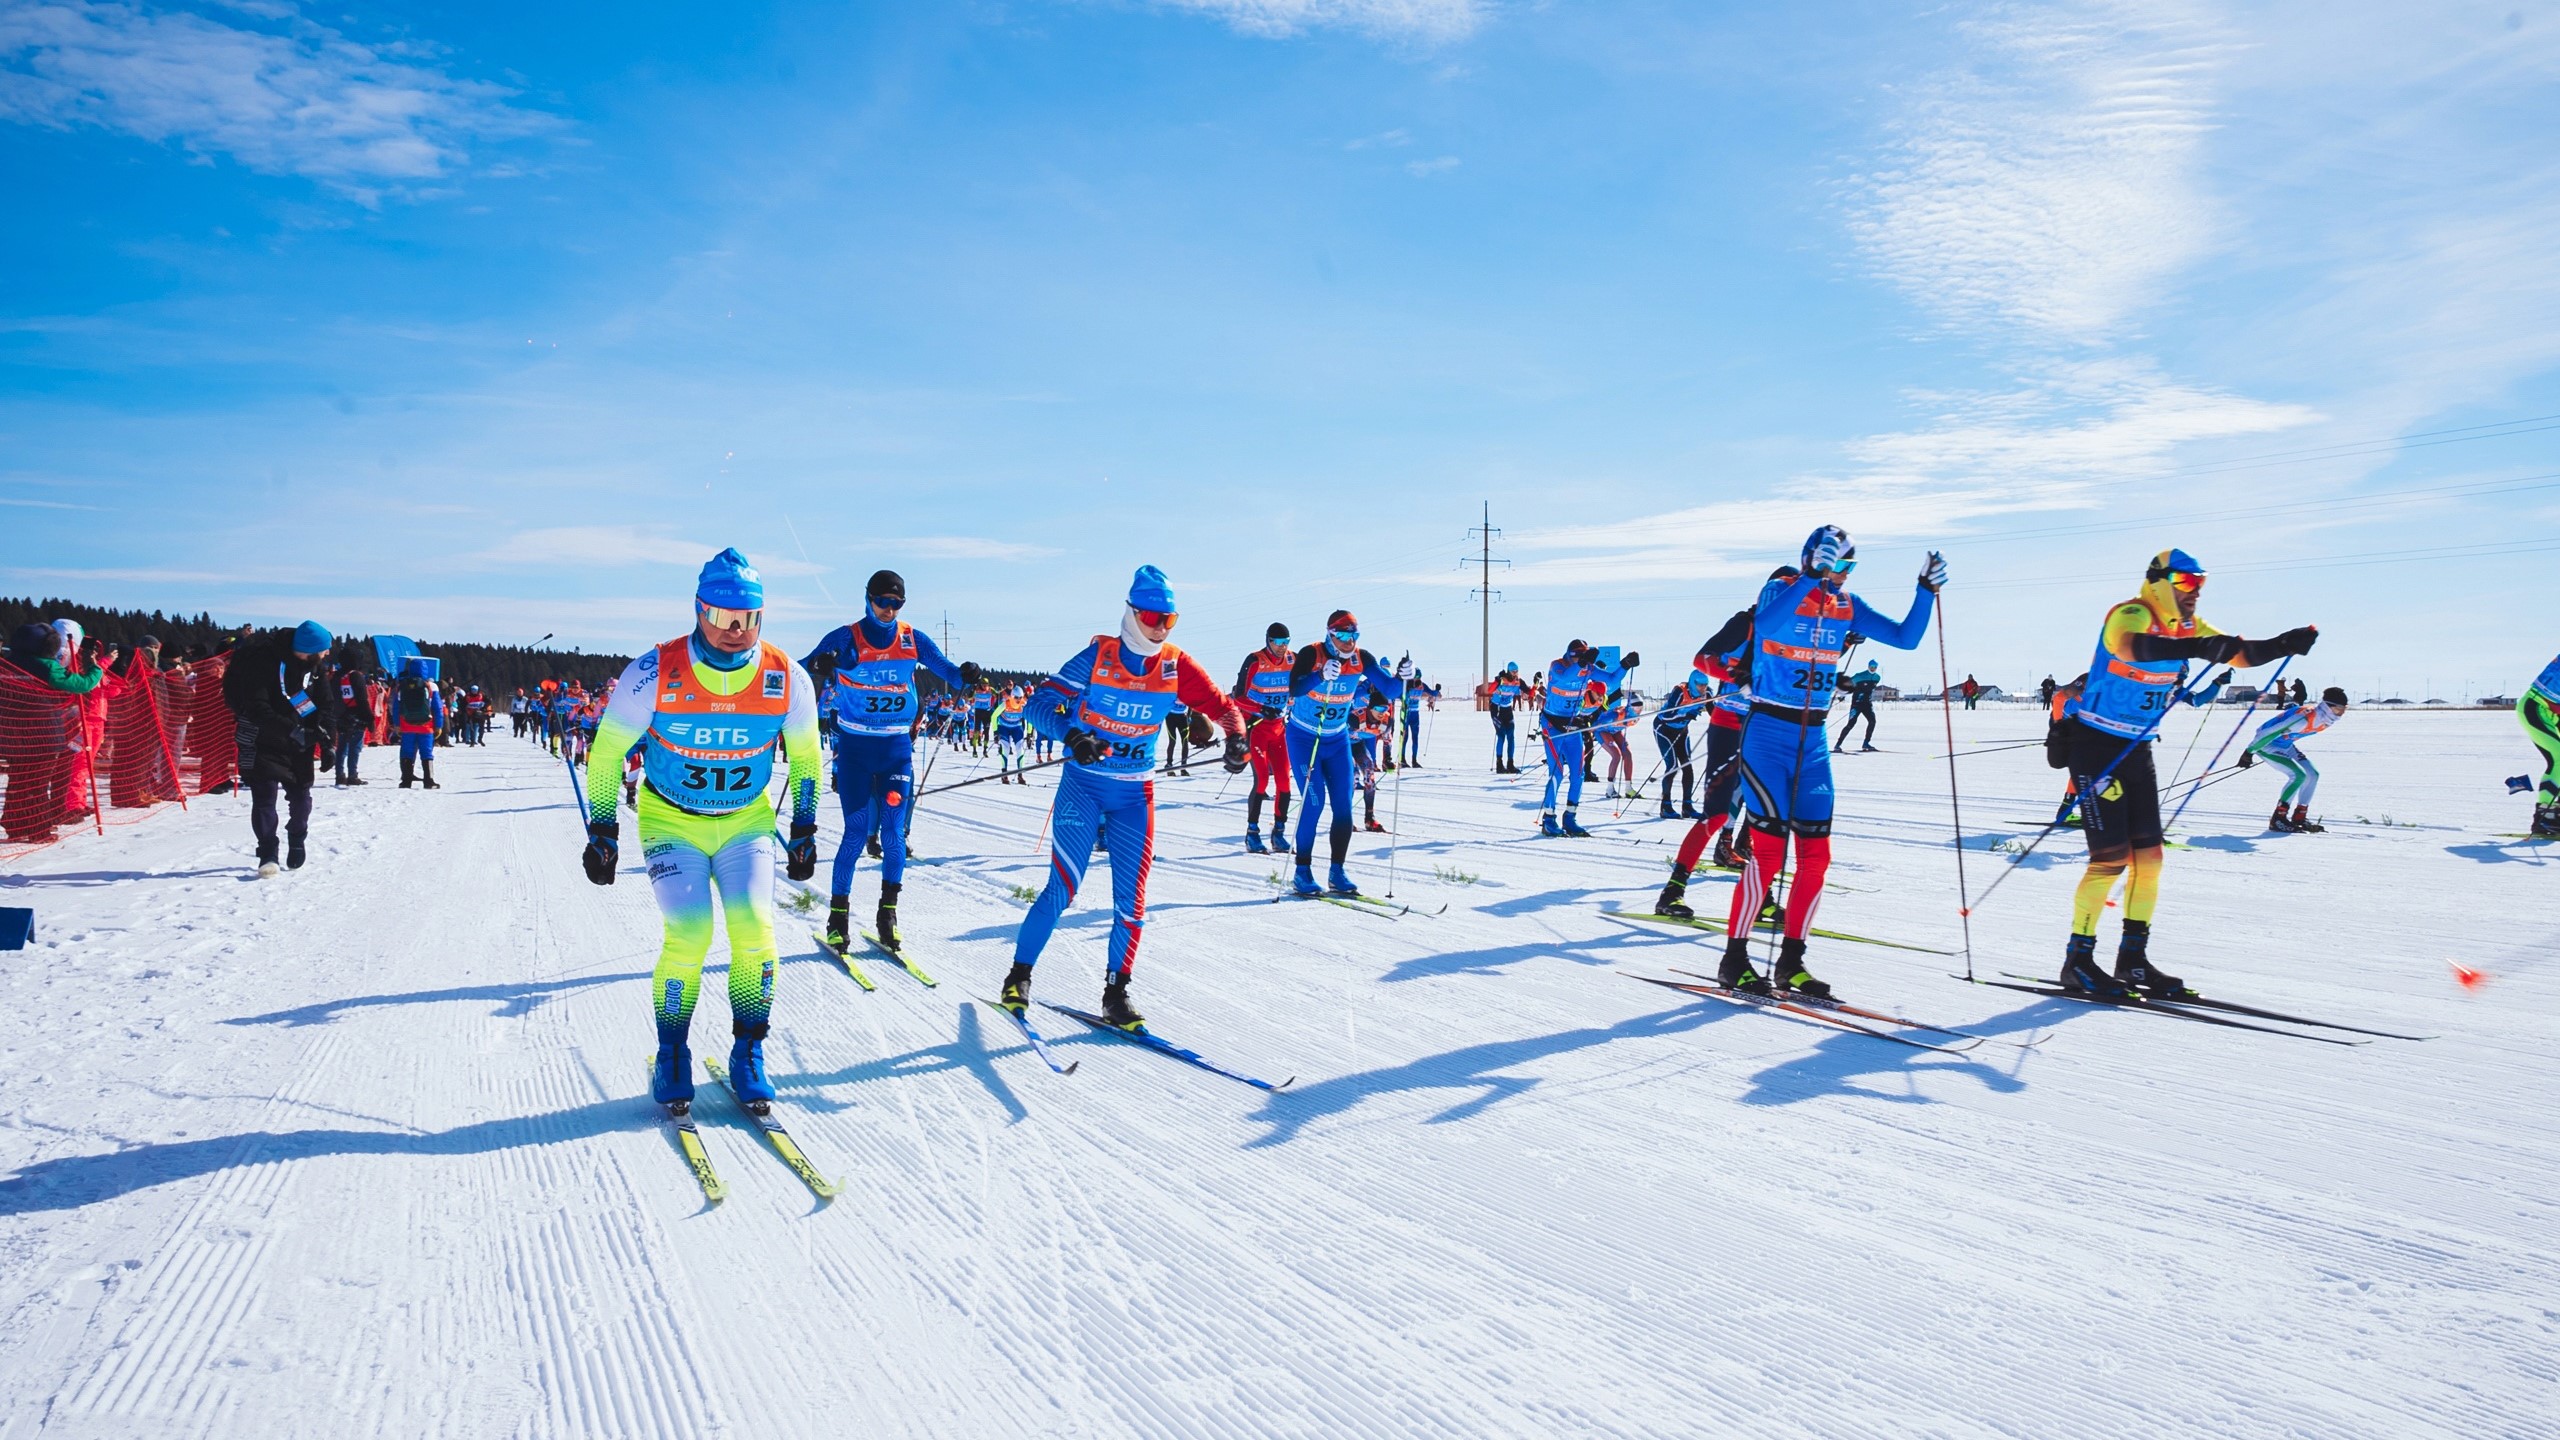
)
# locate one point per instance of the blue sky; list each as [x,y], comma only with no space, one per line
[486,321]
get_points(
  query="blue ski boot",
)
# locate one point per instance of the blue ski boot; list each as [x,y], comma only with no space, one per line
[1547,827]
[671,1078]
[2080,971]
[1338,883]
[1253,842]
[1574,828]
[746,1067]
[1306,884]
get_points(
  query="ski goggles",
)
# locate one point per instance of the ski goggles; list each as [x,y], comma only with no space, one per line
[2189,581]
[1153,618]
[887,602]
[721,617]
[1345,636]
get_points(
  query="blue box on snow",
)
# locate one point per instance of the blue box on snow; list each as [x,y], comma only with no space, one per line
[17,927]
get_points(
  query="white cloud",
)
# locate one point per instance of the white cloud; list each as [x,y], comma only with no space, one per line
[1419,19]
[307,101]
[2053,184]
[964,547]
[1425,169]
[1384,139]
[610,545]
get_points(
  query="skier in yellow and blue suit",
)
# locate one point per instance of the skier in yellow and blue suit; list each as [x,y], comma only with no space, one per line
[714,705]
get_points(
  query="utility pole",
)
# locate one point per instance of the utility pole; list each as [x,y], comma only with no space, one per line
[1484,591]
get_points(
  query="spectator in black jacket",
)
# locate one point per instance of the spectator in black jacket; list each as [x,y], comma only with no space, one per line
[278,688]
[347,738]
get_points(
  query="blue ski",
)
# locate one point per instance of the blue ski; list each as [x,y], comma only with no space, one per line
[1039,1046]
[1162,1046]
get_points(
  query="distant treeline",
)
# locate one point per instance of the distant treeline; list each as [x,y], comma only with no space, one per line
[499,669]
[496,668]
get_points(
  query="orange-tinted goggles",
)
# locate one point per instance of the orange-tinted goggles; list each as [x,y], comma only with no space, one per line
[1153,618]
[2190,581]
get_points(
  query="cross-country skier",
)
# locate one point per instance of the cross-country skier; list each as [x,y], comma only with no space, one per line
[1009,737]
[715,705]
[1323,683]
[2538,710]
[1262,693]
[1371,730]
[2132,681]
[1862,701]
[2274,743]
[1671,736]
[1504,696]
[1800,632]
[1409,751]
[866,674]
[1725,659]
[1578,689]
[1107,705]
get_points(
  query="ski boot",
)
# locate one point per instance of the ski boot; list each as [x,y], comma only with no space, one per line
[2546,822]
[839,923]
[1116,1007]
[408,775]
[1689,811]
[1547,827]
[1866,749]
[1338,882]
[1016,994]
[884,920]
[2303,824]
[671,1078]
[1725,858]
[293,855]
[2080,971]
[1793,975]
[1573,827]
[1667,812]
[747,1079]
[1305,884]
[2277,822]
[1372,826]
[2133,964]
[1253,842]
[1278,845]
[1734,971]
[428,768]
[1668,902]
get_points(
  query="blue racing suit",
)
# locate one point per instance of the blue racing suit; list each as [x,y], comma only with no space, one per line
[868,702]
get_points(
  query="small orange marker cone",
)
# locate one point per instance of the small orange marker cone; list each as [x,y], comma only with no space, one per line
[2468,978]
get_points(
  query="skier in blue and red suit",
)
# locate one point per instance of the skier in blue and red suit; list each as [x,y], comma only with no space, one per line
[1324,685]
[1798,634]
[1579,688]
[1262,692]
[1108,706]
[865,675]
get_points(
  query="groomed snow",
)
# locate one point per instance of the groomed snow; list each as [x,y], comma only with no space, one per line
[363,1150]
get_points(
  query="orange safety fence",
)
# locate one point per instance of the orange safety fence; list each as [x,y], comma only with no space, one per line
[140,740]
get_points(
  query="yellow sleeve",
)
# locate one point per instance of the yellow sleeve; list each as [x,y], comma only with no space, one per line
[800,748]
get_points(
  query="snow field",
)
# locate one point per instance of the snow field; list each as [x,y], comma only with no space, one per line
[364,1149]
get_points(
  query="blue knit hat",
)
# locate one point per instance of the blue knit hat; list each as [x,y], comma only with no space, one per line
[1149,590]
[729,582]
[310,639]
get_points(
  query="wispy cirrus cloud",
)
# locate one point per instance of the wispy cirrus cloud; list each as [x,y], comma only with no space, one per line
[296,98]
[2052,186]
[1414,19]
[965,547]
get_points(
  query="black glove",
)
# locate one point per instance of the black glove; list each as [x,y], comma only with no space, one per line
[2248,758]
[801,855]
[1204,731]
[1630,660]
[604,850]
[2296,641]
[1085,747]
[1236,751]
[969,672]
[821,668]
[2224,678]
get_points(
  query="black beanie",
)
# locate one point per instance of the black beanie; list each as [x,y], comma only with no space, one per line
[1276,631]
[2334,695]
[886,582]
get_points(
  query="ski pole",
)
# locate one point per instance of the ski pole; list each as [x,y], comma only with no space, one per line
[2227,739]
[1955,793]
[1395,839]
[2097,783]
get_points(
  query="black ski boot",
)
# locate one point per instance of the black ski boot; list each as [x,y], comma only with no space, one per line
[2080,971]
[885,919]
[2546,821]
[1016,993]
[839,923]
[1793,975]
[1668,902]
[2303,824]
[408,774]
[2134,968]
[1734,972]
[1725,858]
[2278,822]
[1116,1007]
[428,766]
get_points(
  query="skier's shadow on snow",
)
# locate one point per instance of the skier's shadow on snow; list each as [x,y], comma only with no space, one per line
[513,999]
[111,877]
[1492,961]
[969,1051]
[1543,900]
[2486,854]
[1840,1059]
[72,1181]
[1472,1067]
